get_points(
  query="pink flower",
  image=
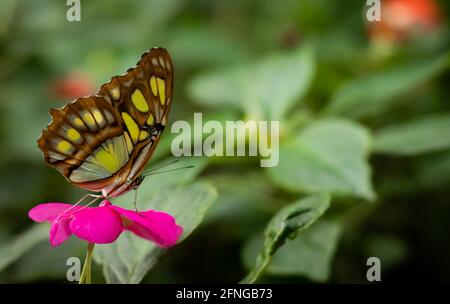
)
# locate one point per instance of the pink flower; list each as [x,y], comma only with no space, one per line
[104,224]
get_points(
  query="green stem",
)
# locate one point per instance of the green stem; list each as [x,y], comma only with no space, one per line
[86,273]
[256,273]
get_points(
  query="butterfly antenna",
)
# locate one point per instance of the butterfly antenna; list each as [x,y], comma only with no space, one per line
[162,166]
[170,170]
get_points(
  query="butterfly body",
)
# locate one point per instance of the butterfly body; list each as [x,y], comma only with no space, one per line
[104,142]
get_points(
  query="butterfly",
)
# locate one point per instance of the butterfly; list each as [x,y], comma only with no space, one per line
[103,142]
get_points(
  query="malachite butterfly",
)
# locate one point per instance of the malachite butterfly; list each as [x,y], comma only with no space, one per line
[103,142]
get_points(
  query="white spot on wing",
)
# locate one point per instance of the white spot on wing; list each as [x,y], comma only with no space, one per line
[109,117]
[128,83]
[161,62]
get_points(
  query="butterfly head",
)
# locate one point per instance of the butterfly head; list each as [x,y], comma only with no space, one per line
[137,182]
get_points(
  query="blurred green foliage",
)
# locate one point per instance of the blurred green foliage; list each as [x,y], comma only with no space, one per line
[368,125]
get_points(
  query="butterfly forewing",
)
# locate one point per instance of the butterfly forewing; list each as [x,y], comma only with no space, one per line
[145,91]
[103,142]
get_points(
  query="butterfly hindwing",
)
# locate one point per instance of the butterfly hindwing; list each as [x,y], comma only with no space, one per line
[78,134]
[103,142]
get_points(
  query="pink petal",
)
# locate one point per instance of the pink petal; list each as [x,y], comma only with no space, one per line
[60,231]
[101,225]
[47,212]
[155,226]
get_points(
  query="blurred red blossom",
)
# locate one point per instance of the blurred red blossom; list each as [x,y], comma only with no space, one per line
[72,86]
[403,19]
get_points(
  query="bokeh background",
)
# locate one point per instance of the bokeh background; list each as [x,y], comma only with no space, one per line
[364,114]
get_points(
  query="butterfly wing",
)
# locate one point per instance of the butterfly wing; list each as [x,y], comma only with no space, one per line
[103,142]
[145,91]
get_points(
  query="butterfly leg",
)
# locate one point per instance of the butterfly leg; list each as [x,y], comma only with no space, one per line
[96,197]
[82,199]
[136,185]
[135,200]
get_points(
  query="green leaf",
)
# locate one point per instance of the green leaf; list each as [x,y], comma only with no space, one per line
[203,45]
[266,89]
[309,254]
[329,155]
[169,179]
[21,244]
[285,224]
[130,258]
[43,262]
[242,200]
[434,171]
[7,10]
[420,136]
[389,249]
[373,93]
